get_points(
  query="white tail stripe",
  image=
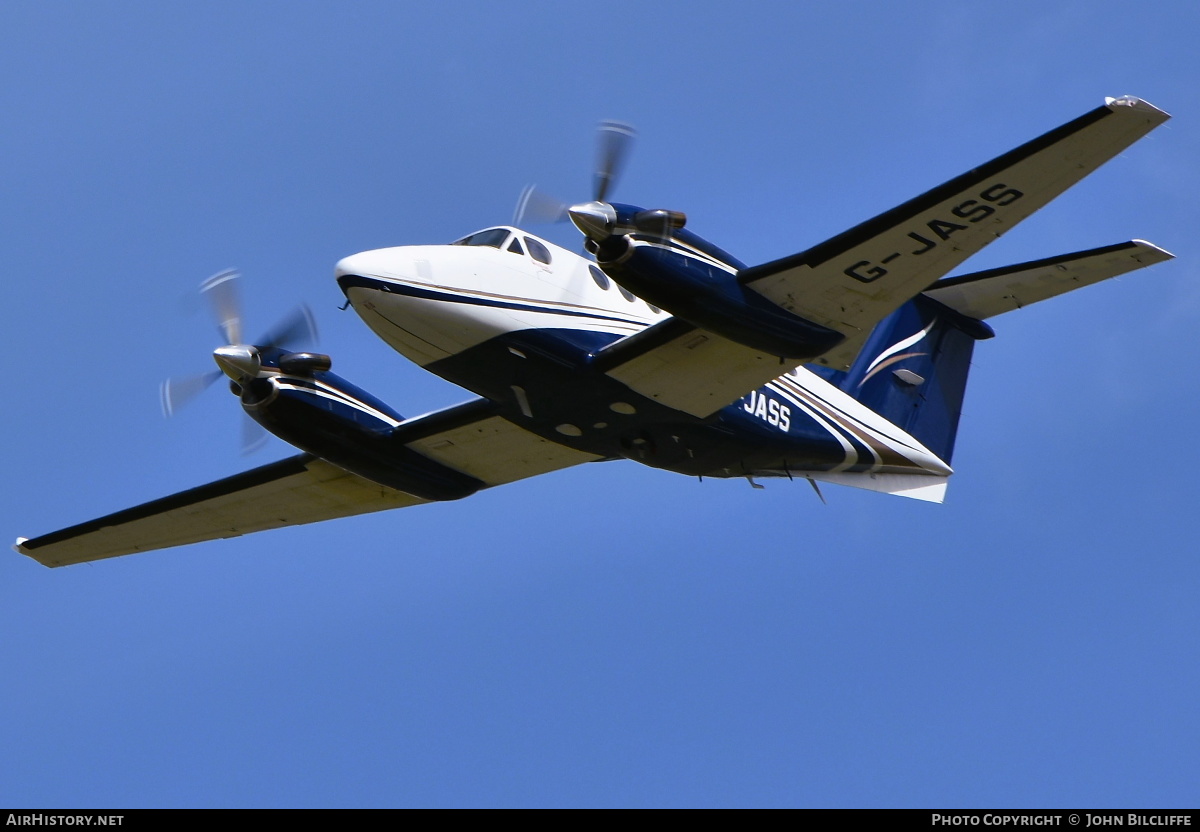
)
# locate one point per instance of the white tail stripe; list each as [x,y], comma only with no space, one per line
[847,447]
[859,432]
[903,345]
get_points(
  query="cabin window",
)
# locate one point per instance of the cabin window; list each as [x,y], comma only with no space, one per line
[538,251]
[494,237]
[600,277]
[625,293]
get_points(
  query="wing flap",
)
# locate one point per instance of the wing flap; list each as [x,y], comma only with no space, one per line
[852,281]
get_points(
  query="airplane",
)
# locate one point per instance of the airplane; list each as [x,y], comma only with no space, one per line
[845,363]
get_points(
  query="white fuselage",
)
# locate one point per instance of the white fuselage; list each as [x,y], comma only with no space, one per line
[431,303]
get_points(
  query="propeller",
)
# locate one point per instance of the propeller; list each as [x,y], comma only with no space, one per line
[241,362]
[614,141]
[599,219]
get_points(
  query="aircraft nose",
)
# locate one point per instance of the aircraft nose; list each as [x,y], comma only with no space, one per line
[354,264]
[383,263]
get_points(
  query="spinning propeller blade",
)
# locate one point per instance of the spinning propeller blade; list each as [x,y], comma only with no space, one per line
[175,393]
[536,206]
[614,141]
[254,435]
[222,292]
[298,329]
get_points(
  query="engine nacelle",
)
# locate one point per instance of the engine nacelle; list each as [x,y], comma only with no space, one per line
[328,416]
[708,296]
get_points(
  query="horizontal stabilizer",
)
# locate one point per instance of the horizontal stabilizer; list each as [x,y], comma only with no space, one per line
[931,489]
[986,294]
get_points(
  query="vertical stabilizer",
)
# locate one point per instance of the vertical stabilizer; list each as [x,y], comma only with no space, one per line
[913,370]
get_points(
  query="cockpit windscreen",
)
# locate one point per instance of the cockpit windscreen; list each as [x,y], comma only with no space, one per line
[493,237]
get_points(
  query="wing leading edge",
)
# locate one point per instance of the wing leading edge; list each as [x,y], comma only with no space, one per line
[305,489]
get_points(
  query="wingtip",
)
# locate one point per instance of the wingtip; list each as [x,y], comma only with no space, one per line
[1157,253]
[19,547]
[1135,103]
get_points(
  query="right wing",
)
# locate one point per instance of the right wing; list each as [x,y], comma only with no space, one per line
[854,280]
[306,489]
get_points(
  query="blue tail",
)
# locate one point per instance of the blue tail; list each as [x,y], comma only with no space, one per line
[913,370]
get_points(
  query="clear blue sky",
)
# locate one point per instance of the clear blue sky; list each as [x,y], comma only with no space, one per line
[609,635]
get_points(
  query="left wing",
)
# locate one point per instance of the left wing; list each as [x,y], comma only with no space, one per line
[305,489]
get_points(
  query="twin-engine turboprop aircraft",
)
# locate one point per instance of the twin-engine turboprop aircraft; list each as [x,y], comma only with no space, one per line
[845,363]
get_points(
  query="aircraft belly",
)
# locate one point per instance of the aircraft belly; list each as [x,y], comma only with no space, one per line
[541,381]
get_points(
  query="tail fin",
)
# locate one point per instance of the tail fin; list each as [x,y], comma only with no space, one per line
[913,370]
